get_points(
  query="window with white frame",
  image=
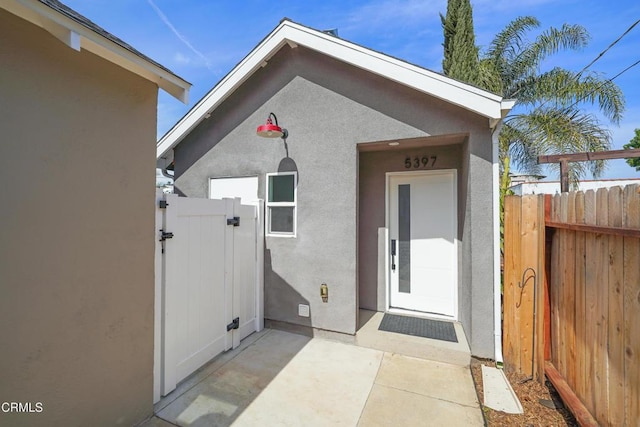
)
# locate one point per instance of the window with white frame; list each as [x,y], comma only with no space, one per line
[281,204]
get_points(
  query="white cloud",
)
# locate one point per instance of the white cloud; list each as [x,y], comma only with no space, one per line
[182,59]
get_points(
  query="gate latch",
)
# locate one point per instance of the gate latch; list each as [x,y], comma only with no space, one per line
[234,325]
[235,221]
[165,235]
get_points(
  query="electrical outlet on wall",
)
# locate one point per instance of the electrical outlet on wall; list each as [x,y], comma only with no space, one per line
[303,310]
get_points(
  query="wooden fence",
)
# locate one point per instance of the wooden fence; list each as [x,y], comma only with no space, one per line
[589,298]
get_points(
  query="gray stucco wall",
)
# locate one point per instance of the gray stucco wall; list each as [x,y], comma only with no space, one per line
[480,215]
[77,239]
[328,108]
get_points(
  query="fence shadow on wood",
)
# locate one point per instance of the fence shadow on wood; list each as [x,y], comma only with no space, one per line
[586,336]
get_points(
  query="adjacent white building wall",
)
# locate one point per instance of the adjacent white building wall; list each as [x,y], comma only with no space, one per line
[553,187]
[245,187]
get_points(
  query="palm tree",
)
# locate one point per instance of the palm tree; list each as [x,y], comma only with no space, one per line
[548,117]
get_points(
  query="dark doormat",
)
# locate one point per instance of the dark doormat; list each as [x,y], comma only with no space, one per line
[427,328]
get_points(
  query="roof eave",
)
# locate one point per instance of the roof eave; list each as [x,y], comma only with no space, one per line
[78,37]
[252,62]
[506,105]
[466,96]
[463,95]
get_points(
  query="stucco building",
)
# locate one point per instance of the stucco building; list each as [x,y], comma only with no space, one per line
[384,188]
[78,117]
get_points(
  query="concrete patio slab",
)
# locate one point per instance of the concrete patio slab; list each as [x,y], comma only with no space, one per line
[207,370]
[279,378]
[428,378]
[388,406]
[156,422]
[221,397]
[326,384]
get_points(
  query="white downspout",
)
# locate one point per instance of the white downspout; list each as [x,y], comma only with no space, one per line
[497,300]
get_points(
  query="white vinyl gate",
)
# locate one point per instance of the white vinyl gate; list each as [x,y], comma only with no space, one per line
[209,259]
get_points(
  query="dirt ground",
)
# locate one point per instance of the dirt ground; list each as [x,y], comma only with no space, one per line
[530,393]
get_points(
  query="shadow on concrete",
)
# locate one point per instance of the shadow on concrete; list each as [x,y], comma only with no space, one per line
[219,392]
[364,316]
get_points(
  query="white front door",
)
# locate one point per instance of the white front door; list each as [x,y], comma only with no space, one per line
[422,220]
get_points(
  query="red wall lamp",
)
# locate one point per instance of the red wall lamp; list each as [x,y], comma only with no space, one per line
[269,130]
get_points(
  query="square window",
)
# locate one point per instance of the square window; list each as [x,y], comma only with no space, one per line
[281,204]
[281,188]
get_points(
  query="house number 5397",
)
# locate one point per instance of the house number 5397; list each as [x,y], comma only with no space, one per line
[420,162]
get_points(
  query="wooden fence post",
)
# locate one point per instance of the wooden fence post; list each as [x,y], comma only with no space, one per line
[524,285]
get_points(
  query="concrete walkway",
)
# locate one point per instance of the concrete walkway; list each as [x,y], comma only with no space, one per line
[277,378]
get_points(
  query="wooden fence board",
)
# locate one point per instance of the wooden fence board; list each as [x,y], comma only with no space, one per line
[540,294]
[569,293]
[562,288]
[615,345]
[511,328]
[602,307]
[632,307]
[546,308]
[579,263]
[555,279]
[590,300]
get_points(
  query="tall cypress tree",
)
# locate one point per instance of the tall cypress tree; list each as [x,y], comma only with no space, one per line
[460,52]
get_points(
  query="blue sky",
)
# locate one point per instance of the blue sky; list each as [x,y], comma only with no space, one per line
[202,40]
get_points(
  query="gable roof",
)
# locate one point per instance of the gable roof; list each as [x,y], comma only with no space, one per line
[287,32]
[78,32]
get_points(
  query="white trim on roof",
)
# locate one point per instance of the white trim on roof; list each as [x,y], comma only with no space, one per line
[471,98]
[77,36]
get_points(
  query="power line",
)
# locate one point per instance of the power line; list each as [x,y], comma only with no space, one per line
[602,85]
[601,54]
[625,70]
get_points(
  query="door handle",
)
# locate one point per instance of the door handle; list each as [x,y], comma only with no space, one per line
[393,254]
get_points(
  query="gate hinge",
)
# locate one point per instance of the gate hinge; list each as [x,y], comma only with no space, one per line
[164,235]
[234,325]
[235,221]
[162,204]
